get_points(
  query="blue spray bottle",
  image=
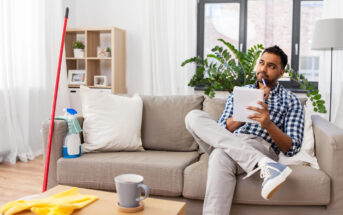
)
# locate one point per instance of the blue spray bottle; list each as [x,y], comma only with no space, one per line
[72,142]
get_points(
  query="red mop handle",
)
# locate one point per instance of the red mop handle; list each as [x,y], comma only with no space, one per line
[52,118]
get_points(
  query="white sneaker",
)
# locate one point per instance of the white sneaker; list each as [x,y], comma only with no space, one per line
[274,174]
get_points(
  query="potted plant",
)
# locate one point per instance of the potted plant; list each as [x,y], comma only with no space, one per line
[78,47]
[226,67]
[108,52]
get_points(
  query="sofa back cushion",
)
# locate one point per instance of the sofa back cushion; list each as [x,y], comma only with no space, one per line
[214,107]
[163,125]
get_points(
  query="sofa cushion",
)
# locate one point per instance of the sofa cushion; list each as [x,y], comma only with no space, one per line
[303,101]
[194,186]
[163,125]
[214,107]
[111,122]
[162,171]
[305,186]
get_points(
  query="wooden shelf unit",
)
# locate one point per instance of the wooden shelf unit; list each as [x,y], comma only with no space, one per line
[91,37]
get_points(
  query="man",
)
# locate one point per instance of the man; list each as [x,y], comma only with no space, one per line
[237,147]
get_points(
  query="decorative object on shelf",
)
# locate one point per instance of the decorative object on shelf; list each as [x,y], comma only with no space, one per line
[101,52]
[79,47]
[328,35]
[100,81]
[220,70]
[77,77]
[108,52]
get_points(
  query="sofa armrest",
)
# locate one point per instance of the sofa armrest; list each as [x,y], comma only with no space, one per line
[329,151]
[60,132]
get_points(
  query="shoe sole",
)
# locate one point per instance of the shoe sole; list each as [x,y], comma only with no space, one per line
[268,192]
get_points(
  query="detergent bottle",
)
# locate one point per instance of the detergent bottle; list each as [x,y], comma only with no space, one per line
[72,142]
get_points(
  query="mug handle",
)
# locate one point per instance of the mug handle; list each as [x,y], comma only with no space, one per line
[146,192]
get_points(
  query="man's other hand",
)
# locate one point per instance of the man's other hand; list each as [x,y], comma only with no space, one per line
[262,115]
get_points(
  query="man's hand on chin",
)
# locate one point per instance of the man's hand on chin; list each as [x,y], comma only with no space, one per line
[266,91]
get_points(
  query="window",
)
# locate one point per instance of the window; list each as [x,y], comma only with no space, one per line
[221,21]
[286,23]
[270,23]
[310,12]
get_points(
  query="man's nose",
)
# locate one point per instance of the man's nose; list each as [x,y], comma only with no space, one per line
[263,68]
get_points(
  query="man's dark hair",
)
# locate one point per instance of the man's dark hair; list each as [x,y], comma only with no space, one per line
[279,52]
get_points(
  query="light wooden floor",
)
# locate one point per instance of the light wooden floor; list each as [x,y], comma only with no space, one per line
[21,179]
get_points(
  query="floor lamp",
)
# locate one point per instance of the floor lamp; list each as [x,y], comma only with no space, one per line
[328,35]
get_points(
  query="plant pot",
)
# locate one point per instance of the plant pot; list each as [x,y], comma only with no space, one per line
[79,53]
[108,54]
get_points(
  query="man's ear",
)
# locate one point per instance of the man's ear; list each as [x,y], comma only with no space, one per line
[282,72]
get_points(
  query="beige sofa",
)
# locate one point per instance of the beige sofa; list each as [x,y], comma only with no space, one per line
[173,168]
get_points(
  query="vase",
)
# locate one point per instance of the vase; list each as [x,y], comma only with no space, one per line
[79,53]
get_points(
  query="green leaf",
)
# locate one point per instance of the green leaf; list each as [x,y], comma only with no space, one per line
[215,57]
[216,48]
[191,60]
[314,92]
[323,111]
[212,93]
[318,96]
[321,102]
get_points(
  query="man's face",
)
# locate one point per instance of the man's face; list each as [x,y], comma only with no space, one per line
[269,68]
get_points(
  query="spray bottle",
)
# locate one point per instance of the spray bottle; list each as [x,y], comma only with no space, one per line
[72,142]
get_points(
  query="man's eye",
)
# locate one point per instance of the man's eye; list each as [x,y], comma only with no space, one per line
[272,66]
[261,62]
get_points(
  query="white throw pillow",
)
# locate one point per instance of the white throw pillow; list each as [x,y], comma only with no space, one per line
[306,154]
[111,122]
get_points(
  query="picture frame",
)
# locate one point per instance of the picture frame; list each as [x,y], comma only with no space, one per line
[77,77]
[100,81]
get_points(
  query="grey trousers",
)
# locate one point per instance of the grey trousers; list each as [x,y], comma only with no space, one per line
[230,155]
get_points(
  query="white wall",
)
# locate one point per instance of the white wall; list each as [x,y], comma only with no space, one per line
[124,14]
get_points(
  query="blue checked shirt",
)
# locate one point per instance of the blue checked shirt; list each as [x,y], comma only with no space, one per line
[285,112]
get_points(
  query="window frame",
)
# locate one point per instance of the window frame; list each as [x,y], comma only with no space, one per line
[242,38]
[295,39]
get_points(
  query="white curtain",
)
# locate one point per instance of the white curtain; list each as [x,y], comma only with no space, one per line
[332,9]
[169,38]
[30,35]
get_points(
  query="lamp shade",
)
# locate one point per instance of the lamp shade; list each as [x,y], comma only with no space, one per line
[328,33]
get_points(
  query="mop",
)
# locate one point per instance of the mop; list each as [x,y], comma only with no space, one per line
[51,128]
